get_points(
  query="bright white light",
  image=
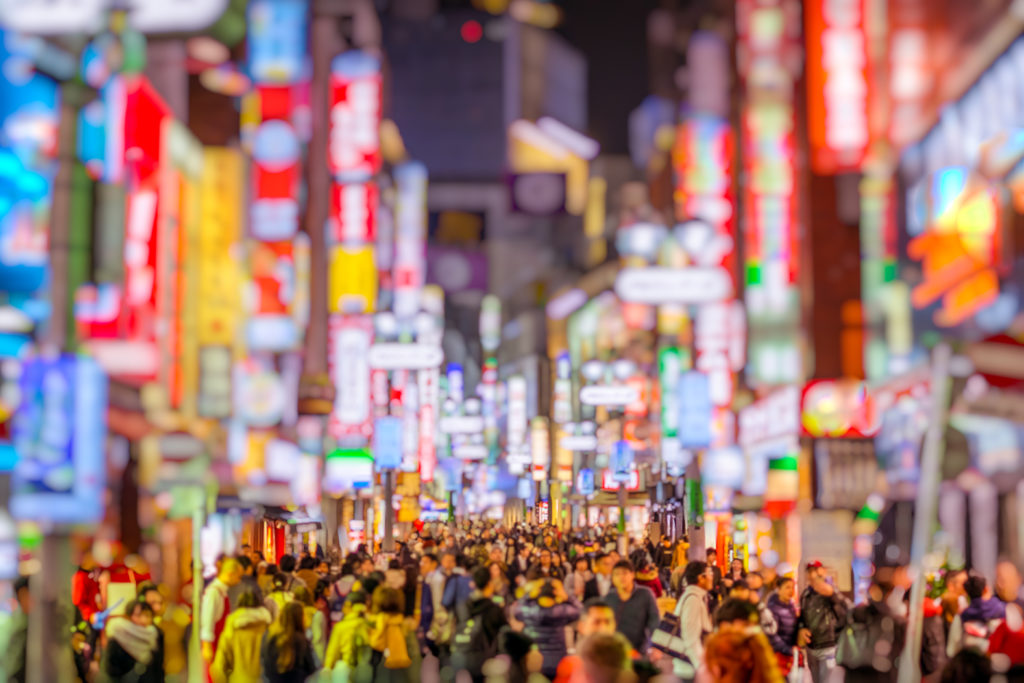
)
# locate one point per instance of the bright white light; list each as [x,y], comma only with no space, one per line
[563,305]
[609,395]
[405,356]
[592,370]
[579,144]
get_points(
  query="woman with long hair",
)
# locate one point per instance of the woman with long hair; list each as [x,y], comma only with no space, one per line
[741,656]
[287,653]
[238,650]
[279,595]
[390,637]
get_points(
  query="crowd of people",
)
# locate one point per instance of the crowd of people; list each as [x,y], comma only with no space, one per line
[482,603]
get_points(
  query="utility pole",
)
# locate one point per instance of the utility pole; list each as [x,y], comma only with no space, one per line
[389,511]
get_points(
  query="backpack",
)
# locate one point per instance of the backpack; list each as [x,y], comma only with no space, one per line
[472,647]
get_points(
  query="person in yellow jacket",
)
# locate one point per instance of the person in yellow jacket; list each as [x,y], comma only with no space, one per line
[348,652]
[392,639]
[238,650]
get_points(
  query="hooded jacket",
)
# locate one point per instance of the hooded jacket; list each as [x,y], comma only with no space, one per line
[473,646]
[350,639]
[238,651]
[546,625]
[982,614]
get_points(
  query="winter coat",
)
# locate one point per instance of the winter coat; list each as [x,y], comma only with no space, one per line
[881,617]
[824,616]
[85,594]
[473,646]
[238,650]
[350,640]
[786,621]
[456,591]
[546,625]
[302,668]
[984,615]
[134,653]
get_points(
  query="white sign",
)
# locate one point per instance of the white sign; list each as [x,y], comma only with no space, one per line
[609,395]
[774,416]
[350,372]
[405,356]
[462,424]
[516,412]
[658,285]
[473,451]
[63,17]
[579,443]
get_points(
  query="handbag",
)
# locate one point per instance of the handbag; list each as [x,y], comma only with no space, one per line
[667,636]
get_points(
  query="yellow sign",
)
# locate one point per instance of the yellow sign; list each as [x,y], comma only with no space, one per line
[352,280]
[220,270]
[532,151]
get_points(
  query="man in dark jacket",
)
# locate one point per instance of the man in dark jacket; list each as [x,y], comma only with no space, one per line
[880,623]
[599,586]
[780,604]
[636,611]
[480,620]
[823,612]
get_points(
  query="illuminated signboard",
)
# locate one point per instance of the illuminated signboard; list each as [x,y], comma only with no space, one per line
[838,86]
[259,393]
[609,395]
[387,442]
[276,40]
[353,213]
[59,432]
[693,398]
[490,323]
[671,363]
[220,277]
[276,165]
[355,106]
[81,17]
[610,483]
[276,272]
[429,391]
[349,340]
[347,469]
[773,417]
[656,285]
[516,413]
[835,409]
[351,279]
[410,238]
[540,448]
[405,356]
[911,75]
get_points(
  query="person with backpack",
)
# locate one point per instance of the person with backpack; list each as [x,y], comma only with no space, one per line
[390,637]
[870,645]
[972,627]
[545,610]
[238,651]
[823,612]
[348,655]
[480,621]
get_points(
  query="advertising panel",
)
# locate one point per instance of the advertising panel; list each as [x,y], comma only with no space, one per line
[410,238]
[276,40]
[387,442]
[352,279]
[355,109]
[59,432]
[429,402]
[349,341]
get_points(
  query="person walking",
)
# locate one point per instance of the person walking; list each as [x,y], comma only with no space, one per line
[133,647]
[823,613]
[287,654]
[783,641]
[481,621]
[238,651]
[279,595]
[348,652]
[390,638]
[636,611]
[972,627]
[693,611]
[545,610]
[576,582]
[601,584]
[884,630]
[215,607]
[737,656]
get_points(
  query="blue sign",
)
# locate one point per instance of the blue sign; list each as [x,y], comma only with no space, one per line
[585,482]
[277,40]
[622,461]
[456,388]
[59,431]
[695,410]
[387,443]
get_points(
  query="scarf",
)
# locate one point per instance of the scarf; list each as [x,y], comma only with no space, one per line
[138,641]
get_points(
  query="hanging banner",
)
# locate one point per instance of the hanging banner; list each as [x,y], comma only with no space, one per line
[355,110]
[349,341]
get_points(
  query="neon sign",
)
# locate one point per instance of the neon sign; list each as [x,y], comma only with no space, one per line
[355,108]
[838,87]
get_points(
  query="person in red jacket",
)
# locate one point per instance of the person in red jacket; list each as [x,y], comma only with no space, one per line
[85,588]
[1008,638]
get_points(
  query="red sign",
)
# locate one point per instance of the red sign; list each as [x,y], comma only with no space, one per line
[353,217]
[276,167]
[911,76]
[355,110]
[608,482]
[838,87]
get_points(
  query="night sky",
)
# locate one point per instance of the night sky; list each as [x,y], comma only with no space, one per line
[612,36]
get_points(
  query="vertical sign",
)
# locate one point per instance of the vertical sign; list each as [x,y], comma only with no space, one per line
[387,442]
[349,341]
[516,424]
[355,109]
[429,395]
[695,410]
[410,238]
[838,87]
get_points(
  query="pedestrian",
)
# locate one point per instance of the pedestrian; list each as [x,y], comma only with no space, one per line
[238,651]
[545,610]
[735,573]
[287,654]
[389,637]
[133,647]
[737,656]
[348,652]
[717,589]
[605,658]
[307,572]
[215,607]
[15,653]
[521,655]
[823,613]
[597,617]
[249,581]
[1008,583]
[482,619]
[693,611]
[85,589]
[933,640]
[601,584]
[547,565]
[636,611]
[458,587]
[875,635]
[648,576]
[954,598]
[576,582]
[783,641]
[520,565]
[286,566]
[499,579]
[972,627]
[279,595]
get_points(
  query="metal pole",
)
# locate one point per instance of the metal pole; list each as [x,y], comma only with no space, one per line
[389,511]
[196,670]
[925,510]
[623,544]
[48,653]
